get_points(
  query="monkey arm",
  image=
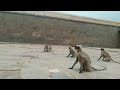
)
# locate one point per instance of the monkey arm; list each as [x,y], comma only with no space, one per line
[100,57]
[69,54]
[72,55]
[74,63]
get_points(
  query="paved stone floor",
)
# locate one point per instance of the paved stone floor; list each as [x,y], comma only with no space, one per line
[26,61]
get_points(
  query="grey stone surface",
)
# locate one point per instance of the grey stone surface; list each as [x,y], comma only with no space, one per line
[26,61]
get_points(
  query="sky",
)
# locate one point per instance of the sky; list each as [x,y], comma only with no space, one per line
[104,15]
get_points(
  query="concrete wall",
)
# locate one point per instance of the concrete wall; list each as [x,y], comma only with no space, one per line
[38,29]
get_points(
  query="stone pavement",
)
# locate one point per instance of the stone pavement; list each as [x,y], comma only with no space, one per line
[26,61]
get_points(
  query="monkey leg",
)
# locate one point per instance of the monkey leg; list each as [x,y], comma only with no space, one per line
[81,68]
[103,59]
[88,67]
[107,60]
[74,64]
[72,56]
[46,50]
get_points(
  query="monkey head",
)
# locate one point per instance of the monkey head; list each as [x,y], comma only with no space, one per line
[69,47]
[78,48]
[46,43]
[102,49]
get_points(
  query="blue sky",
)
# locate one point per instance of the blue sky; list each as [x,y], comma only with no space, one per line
[105,15]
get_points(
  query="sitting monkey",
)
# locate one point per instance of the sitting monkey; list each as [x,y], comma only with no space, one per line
[46,48]
[84,60]
[106,56]
[72,52]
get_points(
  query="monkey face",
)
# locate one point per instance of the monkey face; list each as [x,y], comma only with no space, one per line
[76,47]
[102,49]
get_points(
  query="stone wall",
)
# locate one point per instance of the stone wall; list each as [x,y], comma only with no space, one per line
[39,29]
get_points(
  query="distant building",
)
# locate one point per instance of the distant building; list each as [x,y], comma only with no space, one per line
[57,28]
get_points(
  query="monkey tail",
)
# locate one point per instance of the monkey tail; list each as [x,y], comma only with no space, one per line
[11,70]
[52,52]
[115,61]
[99,69]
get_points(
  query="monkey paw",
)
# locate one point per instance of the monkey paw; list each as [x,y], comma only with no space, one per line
[80,72]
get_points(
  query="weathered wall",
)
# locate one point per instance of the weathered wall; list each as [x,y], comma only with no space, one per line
[38,29]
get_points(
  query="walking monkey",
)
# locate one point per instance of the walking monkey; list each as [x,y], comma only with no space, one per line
[106,56]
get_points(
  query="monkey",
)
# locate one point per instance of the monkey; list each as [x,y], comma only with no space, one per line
[76,57]
[46,48]
[84,60]
[72,52]
[106,56]
[50,48]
